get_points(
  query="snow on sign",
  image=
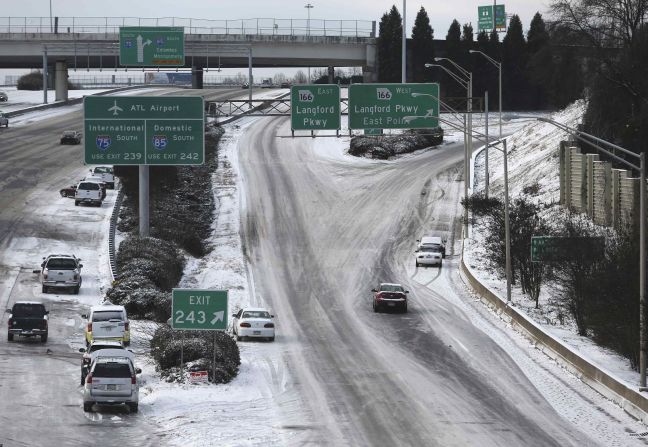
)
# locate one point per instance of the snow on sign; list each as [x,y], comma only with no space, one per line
[195,309]
[198,377]
[315,107]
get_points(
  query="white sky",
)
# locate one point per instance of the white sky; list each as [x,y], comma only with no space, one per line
[441,12]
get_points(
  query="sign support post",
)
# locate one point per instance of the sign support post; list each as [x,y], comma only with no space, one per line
[144,200]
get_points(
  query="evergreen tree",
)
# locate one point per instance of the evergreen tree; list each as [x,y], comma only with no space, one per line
[484,73]
[390,38]
[422,47]
[540,67]
[453,52]
[514,59]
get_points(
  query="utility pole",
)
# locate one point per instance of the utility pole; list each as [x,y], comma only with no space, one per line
[404,46]
[308,8]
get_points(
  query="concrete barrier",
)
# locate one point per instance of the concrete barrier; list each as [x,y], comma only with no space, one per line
[629,399]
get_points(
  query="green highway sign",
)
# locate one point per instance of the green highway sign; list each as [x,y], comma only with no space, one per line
[144,130]
[151,46]
[199,310]
[315,107]
[393,106]
[560,249]
[485,17]
[373,132]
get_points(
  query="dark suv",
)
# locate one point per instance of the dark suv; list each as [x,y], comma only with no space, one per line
[28,319]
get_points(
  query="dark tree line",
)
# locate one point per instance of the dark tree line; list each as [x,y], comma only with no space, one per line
[538,71]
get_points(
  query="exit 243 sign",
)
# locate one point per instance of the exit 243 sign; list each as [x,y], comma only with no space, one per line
[196,309]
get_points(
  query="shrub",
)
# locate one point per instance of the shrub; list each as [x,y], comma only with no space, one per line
[155,259]
[197,347]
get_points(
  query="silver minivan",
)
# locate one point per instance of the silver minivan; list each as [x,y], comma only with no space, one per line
[112,380]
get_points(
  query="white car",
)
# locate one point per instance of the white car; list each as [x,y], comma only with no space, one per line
[253,322]
[428,255]
[112,380]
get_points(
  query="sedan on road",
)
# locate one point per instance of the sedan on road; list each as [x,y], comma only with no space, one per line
[95,346]
[71,137]
[253,322]
[390,296]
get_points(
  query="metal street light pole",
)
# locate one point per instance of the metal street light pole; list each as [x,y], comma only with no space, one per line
[308,8]
[507,226]
[404,46]
[51,30]
[499,68]
[469,149]
[597,142]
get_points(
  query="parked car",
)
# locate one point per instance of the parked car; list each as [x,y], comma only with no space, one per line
[285,85]
[106,174]
[69,191]
[253,322]
[28,319]
[245,85]
[97,179]
[107,322]
[90,351]
[111,380]
[389,296]
[4,97]
[433,241]
[88,192]
[61,272]
[71,137]
[4,121]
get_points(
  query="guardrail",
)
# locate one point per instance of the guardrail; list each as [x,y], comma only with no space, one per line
[260,26]
[111,234]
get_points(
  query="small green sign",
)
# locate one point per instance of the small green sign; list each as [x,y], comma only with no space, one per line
[144,130]
[151,46]
[373,132]
[315,107]
[199,310]
[393,106]
[560,249]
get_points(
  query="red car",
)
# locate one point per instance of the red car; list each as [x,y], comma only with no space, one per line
[68,192]
[390,296]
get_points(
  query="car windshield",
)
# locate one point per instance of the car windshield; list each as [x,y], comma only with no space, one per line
[391,288]
[431,248]
[89,186]
[28,310]
[112,370]
[69,133]
[61,264]
[98,347]
[107,315]
[102,170]
[256,314]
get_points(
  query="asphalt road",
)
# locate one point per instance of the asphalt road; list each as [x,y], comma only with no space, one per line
[40,395]
[323,232]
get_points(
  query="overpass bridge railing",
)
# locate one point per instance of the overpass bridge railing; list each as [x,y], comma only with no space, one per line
[257,107]
[260,26]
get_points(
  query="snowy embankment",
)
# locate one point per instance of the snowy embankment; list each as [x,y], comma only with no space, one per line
[533,160]
[22,99]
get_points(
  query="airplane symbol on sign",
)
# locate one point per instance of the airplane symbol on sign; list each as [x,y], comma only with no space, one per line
[115,109]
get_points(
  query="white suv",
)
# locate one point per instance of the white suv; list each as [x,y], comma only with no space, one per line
[88,192]
[112,380]
[61,272]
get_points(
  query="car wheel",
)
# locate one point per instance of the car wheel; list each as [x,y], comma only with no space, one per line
[133,407]
[405,309]
[76,290]
[127,343]
[82,380]
[44,289]
[375,307]
[43,338]
[63,194]
[417,264]
[10,337]
[76,203]
[87,406]
[271,338]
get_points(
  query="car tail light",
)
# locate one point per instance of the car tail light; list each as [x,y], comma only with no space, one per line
[45,274]
[379,296]
[268,325]
[89,327]
[126,325]
[88,378]
[133,380]
[245,325]
[44,324]
[76,276]
[10,322]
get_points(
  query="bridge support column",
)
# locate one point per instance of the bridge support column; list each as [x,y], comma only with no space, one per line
[369,75]
[61,81]
[331,75]
[196,77]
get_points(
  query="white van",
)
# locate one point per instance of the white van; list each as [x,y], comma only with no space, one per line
[105,173]
[107,322]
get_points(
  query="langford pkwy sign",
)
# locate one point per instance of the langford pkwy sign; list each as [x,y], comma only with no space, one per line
[315,107]
[393,106]
[151,46]
[144,130]
[195,309]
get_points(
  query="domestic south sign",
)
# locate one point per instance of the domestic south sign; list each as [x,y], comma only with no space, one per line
[151,46]
[315,107]
[393,106]
[199,310]
[144,130]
